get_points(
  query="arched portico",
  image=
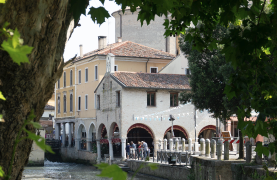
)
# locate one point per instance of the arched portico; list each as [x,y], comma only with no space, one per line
[91,137]
[179,131]
[81,137]
[207,132]
[141,132]
[102,141]
[114,141]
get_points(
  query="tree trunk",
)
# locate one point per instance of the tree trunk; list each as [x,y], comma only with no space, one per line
[43,24]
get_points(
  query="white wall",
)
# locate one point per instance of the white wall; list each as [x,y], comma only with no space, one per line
[176,66]
[47,112]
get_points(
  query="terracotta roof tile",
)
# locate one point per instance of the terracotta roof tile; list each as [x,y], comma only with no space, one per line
[129,49]
[152,80]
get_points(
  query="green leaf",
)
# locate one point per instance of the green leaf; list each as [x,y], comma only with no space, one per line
[36,125]
[2,173]
[2,1]
[17,52]
[153,166]
[98,14]
[113,171]
[78,7]
[1,116]
[260,149]
[1,96]
[102,166]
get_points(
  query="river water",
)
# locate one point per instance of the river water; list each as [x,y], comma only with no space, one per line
[57,170]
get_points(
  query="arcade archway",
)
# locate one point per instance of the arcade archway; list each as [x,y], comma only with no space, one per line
[103,138]
[82,135]
[140,132]
[116,141]
[207,132]
[178,132]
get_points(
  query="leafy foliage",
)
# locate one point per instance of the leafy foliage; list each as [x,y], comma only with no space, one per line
[99,14]
[1,96]
[13,45]
[111,171]
[209,74]
[2,173]
[78,7]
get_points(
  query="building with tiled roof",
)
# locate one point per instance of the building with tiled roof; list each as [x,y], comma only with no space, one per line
[74,92]
[137,106]
[129,49]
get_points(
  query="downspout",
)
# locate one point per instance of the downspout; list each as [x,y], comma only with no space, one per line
[166,40]
[75,89]
[146,64]
[120,25]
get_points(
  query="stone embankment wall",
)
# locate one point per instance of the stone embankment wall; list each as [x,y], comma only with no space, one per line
[36,157]
[164,170]
[250,172]
[78,156]
[207,168]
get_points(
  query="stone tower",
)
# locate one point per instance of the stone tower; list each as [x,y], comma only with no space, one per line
[129,29]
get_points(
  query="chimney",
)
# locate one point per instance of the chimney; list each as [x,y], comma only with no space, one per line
[102,42]
[119,39]
[81,50]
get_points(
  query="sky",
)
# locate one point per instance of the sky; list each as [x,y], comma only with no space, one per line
[87,34]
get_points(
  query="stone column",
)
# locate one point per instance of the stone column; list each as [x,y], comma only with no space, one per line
[190,145]
[70,135]
[202,150]
[219,149]
[196,148]
[213,144]
[57,130]
[226,150]
[176,144]
[248,151]
[160,144]
[64,134]
[77,144]
[207,151]
[98,150]
[156,145]
[88,144]
[123,146]
[171,144]
[111,149]
[183,144]
[165,144]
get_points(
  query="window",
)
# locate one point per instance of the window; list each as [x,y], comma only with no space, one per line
[86,102]
[96,72]
[64,79]
[86,74]
[64,103]
[71,78]
[98,101]
[117,98]
[59,84]
[151,99]
[59,105]
[187,71]
[103,86]
[111,84]
[115,67]
[71,102]
[174,99]
[79,76]
[153,69]
[79,103]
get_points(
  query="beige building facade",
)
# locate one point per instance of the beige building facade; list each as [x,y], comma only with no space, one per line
[76,119]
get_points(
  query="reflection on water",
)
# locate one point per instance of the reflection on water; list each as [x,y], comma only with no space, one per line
[55,170]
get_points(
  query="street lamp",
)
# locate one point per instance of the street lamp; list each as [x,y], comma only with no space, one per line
[171,118]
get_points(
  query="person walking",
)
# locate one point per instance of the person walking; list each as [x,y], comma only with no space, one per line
[133,149]
[145,148]
[127,150]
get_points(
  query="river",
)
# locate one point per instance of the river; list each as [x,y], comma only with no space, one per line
[57,170]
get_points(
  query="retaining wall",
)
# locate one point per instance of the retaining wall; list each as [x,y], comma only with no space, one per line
[164,170]
[78,156]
